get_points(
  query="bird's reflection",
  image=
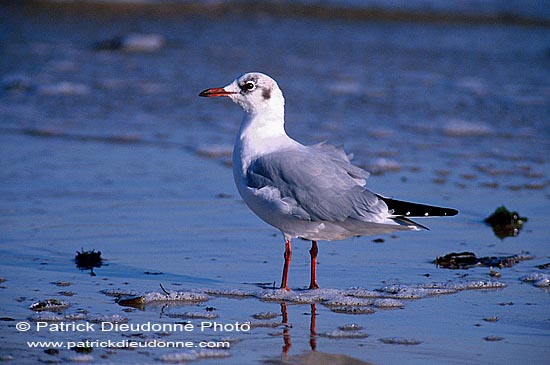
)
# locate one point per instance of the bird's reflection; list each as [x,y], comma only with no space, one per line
[287,344]
[312,356]
[312,327]
[286,330]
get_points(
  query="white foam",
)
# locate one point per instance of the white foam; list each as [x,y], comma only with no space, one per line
[179,357]
[264,324]
[538,279]
[344,334]
[355,300]
[49,305]
[265,315]
[230,292]
[353,310]
[362,293]
[76,317]
[348,301]
[402,292]
[192,315]
[421,291]
[51,317]
[229,339]
[400,341]
[388,303]
[350,327]
[194,355]
[119,292]
[175,296]
[480,284]
[47,317]
[310,296]
[81,358]
[112,318]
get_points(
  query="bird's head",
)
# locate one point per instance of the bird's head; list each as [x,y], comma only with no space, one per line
[253,91]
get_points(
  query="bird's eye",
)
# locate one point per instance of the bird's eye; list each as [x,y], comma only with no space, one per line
[248,86]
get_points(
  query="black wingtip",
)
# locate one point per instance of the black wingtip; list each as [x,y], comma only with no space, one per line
[408,209]
[451,212]
[408,222]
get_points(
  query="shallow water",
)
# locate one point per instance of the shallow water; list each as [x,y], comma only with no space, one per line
[114,151]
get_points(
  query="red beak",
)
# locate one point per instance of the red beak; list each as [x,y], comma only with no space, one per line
[215,91]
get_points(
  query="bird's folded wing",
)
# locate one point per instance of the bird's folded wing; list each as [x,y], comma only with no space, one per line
[318,181]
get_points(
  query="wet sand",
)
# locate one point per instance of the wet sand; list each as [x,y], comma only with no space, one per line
[133,164]
[169,227]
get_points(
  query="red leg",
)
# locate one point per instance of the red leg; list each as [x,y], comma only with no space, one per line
[288,256]
[313,253]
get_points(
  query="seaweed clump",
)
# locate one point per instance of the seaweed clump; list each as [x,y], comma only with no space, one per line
[505,223]
[88,260]
[52,305]
[466,260]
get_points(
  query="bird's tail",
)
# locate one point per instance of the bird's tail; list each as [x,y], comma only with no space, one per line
[401,211]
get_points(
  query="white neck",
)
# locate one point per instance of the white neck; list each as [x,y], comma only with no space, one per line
[259,134]
[264,124]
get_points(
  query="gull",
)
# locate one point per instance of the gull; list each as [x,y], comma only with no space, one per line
[309,192]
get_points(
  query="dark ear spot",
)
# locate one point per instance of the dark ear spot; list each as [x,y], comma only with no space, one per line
[266,93]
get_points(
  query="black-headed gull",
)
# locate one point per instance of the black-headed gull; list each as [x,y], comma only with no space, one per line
[310,192]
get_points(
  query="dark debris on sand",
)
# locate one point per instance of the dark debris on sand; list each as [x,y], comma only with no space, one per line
[466,260]
[505,223]
[88,260]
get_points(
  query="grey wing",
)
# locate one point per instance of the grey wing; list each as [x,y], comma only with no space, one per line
[320,182]
[338,155]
